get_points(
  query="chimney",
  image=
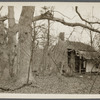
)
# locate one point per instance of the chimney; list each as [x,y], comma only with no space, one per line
[61,36]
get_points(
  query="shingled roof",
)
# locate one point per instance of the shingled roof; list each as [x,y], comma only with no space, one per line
[84,50]
[79,46]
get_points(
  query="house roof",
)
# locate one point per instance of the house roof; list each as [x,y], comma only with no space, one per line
[89,55]
[84,50]
[79,46]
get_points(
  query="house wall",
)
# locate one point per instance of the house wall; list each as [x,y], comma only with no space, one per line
[59,58]
[89,67]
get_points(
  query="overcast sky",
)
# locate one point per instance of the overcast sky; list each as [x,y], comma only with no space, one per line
[88,11]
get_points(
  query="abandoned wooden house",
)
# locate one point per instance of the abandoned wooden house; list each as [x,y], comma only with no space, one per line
[82,57]
[74,56]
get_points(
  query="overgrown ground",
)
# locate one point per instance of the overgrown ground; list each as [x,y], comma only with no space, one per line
[78,84]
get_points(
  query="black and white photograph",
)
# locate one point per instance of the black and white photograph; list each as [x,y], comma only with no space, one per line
[49,48]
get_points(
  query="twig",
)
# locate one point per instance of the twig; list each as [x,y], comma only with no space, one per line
[71,33]
[1,8]
[64,15]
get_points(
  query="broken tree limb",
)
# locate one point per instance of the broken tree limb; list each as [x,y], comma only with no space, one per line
[9,89]
[41,17]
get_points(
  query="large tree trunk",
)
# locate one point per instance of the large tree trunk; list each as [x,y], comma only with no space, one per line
[7,53]
[11,40]
[45,52]
[3,54]
[25,44]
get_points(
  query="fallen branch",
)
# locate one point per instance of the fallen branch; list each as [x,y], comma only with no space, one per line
[5,89]
[9,89]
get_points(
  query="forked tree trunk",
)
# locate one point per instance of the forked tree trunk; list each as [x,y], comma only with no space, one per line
[25,44]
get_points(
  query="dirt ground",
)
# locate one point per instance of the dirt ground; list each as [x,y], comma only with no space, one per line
[53,84]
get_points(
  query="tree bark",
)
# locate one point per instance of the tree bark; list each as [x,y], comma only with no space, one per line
[48,34]
[11,40]
[4,74]
[25,43]
[45,52]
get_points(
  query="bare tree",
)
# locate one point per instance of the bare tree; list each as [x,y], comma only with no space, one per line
[24,27]
[11,40]
[25,42]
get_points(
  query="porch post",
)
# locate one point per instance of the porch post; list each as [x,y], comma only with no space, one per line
[80,66]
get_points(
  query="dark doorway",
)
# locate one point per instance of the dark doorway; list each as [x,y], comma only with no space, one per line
[77,63]
[80,64]
[69,56]
[83,65]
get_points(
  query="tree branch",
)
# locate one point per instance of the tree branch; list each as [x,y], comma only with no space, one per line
[41,17]
[76,9]
[71,33]
[4,18]
[64,15]
[1,8]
